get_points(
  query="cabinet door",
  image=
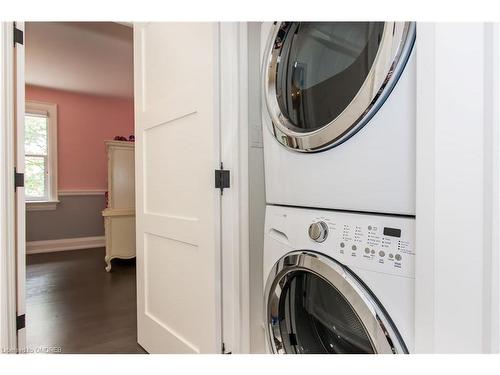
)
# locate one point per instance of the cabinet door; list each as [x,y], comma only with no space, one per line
[121,176]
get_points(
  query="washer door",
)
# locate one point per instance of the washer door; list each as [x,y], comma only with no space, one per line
[315,305]
[323,81]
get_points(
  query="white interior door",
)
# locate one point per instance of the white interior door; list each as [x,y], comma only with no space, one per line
[178,208]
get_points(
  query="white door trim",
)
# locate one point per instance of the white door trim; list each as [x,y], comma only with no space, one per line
[234,203]
[491,325]
[458,156]
[8,300]
[425,170]
[20,205]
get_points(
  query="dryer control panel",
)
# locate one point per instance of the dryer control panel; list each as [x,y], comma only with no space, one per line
[381,243]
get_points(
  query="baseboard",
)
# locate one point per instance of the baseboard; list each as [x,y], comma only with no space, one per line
[64,244]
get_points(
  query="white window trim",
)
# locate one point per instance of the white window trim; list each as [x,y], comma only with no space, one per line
[50,109]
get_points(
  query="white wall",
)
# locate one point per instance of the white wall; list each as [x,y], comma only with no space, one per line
[257,199]
[457,188]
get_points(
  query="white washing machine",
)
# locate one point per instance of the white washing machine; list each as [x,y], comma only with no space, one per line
[338,282]
[338,110]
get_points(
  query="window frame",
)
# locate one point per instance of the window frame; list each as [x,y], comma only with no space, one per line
[50,110]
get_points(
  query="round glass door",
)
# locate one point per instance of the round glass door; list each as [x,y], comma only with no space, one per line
[315,318]
[324,80]
[316,306]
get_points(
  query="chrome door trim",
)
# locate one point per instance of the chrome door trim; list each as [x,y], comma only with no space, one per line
[395,48]
[384,337]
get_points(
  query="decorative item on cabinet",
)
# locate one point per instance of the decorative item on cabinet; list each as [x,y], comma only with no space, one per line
[119,215]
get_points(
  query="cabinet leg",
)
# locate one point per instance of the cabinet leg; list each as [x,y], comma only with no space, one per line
[108,263]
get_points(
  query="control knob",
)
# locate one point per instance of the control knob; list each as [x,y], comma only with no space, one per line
[318,231]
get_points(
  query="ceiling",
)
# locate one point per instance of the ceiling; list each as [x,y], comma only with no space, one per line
[88,57]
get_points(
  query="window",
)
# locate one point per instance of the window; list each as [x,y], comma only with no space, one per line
[40,148]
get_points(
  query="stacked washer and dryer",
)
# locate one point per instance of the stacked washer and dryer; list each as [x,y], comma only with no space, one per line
[339,149]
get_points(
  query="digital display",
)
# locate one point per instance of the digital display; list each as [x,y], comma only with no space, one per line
[393,232]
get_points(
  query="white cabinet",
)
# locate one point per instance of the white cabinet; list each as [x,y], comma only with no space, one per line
[119,216]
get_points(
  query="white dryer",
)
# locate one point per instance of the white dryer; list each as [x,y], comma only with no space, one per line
[338,110]
[338,282]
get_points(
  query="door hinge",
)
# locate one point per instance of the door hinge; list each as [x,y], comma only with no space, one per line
[20,322]
[18,36]
[222,178]
[224,349]
[18,179]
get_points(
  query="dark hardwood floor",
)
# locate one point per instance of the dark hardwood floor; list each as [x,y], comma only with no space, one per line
[74,304]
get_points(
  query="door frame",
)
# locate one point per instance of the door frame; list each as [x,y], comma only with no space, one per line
[234,203]
[8,272]
[458,204]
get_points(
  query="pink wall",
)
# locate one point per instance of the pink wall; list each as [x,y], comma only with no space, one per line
[84,123]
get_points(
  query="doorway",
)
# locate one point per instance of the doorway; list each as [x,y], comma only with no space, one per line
[173,215]
[79,188]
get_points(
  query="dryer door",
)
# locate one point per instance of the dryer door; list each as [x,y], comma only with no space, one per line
[323,81]
[315,305]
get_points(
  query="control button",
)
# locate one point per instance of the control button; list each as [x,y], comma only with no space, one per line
[381,253]
[391,256]
[369,227]
[354,247]
[373,251]
[367,250]
[342,245]
[318,231]
[398,257]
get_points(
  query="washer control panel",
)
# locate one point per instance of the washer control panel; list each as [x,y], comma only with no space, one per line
[379,243]
[375,242]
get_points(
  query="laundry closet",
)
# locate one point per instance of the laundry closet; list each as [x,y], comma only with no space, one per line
[338,118]
[291,188]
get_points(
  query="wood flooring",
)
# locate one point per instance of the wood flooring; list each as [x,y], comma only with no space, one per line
[74,306]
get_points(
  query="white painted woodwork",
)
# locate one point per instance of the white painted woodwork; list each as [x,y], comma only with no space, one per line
[177,206]
[492,231]
[456,307]
[20,191]
[49,110]
[8,255]
[119,216]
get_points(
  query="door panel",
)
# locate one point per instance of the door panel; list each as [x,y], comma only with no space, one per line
[177,150]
